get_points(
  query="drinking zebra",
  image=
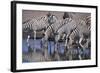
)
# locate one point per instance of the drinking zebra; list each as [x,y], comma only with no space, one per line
[51,32]
[79,38]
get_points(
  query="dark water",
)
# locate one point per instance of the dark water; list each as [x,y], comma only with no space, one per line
[37,44]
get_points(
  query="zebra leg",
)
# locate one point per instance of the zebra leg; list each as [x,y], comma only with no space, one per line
[80,40]
[80,54]
[57,57]
[44,47]
[83,48]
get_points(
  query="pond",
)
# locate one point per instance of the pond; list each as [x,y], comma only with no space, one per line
[37,44]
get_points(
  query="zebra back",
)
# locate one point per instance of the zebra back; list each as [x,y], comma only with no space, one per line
[37,23]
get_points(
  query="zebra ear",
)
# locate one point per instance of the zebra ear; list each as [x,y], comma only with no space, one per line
[49,14]
[66,15]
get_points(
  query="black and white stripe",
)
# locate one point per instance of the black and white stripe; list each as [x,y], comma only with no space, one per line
[36,23]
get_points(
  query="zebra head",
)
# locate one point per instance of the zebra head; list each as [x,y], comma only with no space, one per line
[51,18]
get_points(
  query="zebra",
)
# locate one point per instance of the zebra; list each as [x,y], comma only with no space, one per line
[85,40]
[77,36]
[87,29]
[72,43]
[73,30]
[66,29]
[69,26]
[53,28]
[39,23]
[36,23]
[51,31]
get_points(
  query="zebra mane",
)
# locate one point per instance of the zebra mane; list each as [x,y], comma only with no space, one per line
[26,21]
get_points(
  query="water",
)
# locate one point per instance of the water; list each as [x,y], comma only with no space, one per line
[37,44]
[33,43]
